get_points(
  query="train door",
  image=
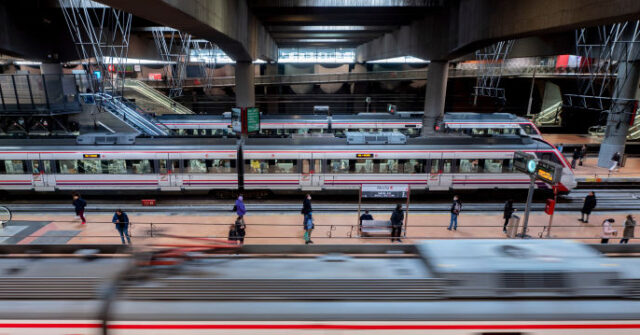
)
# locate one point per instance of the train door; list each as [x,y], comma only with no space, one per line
[439,173]
[317,175]
[40,181]
[311,175]
[167,174]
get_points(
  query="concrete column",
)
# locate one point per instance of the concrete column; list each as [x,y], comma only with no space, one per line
[618,120]
[437,75]
[245,88]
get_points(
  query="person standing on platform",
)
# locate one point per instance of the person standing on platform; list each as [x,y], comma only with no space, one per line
[575,157]
[589,204]
[508,211]
[397,218]
[560,147]
[629,229]
[240,209]
[456,207]
[615,162]
[121,220]
[307,221]
[79,205]
[365,217]
[607,230]
[583,154]
[237,231]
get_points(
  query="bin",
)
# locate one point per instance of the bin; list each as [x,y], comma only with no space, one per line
[512,226]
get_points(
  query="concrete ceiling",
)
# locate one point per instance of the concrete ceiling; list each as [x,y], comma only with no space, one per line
[336,23]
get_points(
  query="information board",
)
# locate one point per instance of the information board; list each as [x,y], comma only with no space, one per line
[524,162]
[549,172]
[385,191]
[236,120]
[253,120]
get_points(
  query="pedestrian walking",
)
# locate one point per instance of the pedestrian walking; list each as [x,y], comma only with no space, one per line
[397,218]
[456,207]
[121,220]
[629,229]
[589,204]
[307,221]
[240,209]
[508,211]
[583,154]
[607,230]
[575,157]
[237,231]
[615,162]
[79,205]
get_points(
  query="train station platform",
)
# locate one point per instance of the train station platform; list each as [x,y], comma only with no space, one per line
[572,139]
[286,228]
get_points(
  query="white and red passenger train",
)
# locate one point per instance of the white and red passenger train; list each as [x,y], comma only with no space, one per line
[184,164]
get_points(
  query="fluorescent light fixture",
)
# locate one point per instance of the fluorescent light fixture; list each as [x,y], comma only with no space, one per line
[117,60]
[322,40]
[27,62]
[405,59]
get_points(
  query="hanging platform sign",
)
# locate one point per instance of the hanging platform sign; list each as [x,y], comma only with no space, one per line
[394,191]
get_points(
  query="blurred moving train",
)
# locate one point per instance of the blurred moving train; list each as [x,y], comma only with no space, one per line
[408,123]
[442,163]
[461,287]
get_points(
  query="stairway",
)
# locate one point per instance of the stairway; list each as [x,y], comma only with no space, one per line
[127,112]
[151,99]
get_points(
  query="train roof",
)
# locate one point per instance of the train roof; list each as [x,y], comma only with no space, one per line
[177,143]
[482,117]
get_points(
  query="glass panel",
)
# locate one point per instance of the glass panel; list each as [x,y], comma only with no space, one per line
[139,166]
[493,165]
[435,166]
[47,166]
[388,166]
[412,166]
[469,166]
[317,166]
[15,166]
[305,166]
[338,165]
[175,166]
[68,166]
[447,165]
[162,166]
[221,166]
[254,166]
[117,166]
[528,129]
[91,166]
[507,165]
[35,167]
[195,166]
[283,166]
[364,166]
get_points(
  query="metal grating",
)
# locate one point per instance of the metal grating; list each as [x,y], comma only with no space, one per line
[50,288]
[533,280]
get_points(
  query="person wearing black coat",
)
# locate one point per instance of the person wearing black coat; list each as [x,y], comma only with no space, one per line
[79,204]
[365,217]
[397,218]
[583,154]
[508,211]
[575,157]
[589,204]
[306,210]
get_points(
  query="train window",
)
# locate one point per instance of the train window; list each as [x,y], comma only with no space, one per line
[493,165]
[469,166]
[221,166]
[411,165]
[389,166]
[272,166]
[14,166]
[115,166]
[528,129]
[363,166]
[162,166]
[305,166]
[35,167]
[67,166]
[338,165]
[447,166]
[90,167]
[317,166]
[435,166]
[139,166]
[195,166]
[507,165]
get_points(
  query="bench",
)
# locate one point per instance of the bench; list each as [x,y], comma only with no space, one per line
[375,227]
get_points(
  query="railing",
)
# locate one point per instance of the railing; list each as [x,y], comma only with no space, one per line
[159,232]
[129,115]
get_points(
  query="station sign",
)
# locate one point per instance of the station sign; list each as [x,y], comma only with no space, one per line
[91,156]
[394,191]
[549,172]
[253,120]
[245,120]
[364,155]
[525,162]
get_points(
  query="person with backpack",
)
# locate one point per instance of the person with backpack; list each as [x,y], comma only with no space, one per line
[79,204]
[607,230]
[588,206]
[306,209]
[456,207]
[121,220]
[507,213]
[397,218]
